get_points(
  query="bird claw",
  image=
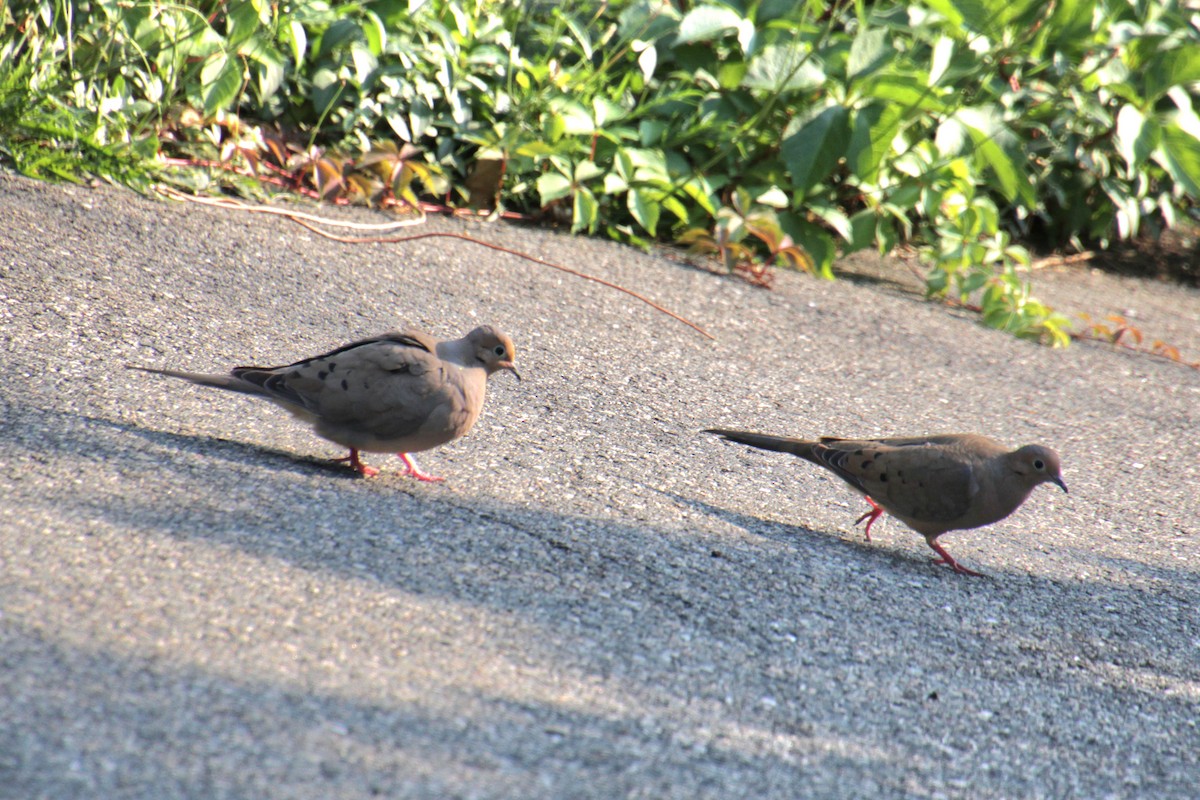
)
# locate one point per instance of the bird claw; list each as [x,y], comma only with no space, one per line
[875,513]
[365,470]
[945,559]
[413,471]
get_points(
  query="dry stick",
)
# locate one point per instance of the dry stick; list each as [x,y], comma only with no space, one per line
[300,219]
[228,202]
[519,254]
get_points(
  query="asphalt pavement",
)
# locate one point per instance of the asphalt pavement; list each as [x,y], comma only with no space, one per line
[600,601]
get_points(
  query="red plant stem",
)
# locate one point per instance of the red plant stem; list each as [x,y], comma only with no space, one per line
[519,254]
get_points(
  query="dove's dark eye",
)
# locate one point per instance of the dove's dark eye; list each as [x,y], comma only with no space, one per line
[1039,464]
[499,350]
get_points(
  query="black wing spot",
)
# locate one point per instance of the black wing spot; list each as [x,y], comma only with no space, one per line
[345,385]
[322,375]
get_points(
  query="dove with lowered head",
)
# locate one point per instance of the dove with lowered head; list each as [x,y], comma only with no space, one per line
[400,392]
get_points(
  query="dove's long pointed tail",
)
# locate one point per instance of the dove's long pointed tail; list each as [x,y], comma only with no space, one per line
[216,381]
[779,444]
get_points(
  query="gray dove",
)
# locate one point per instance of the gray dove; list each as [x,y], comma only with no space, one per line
[933,484]
[401,392]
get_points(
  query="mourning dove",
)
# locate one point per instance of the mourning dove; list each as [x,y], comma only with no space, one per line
[401,392]
[932,484]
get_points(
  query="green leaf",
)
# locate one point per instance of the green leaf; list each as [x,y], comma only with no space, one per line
[553,127]
[1128,211]
[774,197]
[815,240]
[586,170]
[614,184]
[578,31]
[327,89]
[584,212]
[651,163]
[874,128]
[813,151]
[241,21]
[645,209]
[375,33]
[1070,24]
[989,17]
[396,122]
[1177,67]
[1179,154]
[271,67]
[364,62]
[647,60]
[705,23]
[871,48]
[606,111]
[949,10]
[651,132]
[996,147]
[702,192]
[832,216]
[974,281]
[907,89]
[221,82]
[942,55]
[338,34]
[862,230]
[648,20]
[1136,136]
[780,68]
[551,186]
[576,120]
[298,39]
[731,73]
[676,207]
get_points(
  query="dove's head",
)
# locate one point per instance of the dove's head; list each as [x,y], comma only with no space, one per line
[1037,464]
[493,349]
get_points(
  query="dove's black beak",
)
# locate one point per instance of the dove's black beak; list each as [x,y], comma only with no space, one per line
[508,366]
[1061,484]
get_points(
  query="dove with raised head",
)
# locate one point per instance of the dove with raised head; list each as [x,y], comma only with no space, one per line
[933,484]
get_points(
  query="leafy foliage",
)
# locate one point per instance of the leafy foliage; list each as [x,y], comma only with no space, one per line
[955,123]
[728,241]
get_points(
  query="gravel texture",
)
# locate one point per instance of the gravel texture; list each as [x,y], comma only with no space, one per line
[600,601]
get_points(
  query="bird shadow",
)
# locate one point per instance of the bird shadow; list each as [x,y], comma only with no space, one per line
[228,450]
[792,534]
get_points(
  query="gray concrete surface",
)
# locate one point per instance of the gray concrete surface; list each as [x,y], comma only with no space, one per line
[600,602]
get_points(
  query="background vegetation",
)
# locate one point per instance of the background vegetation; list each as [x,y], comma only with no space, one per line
[764,132]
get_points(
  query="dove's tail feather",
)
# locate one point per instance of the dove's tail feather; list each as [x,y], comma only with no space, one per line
[217,381]
[778,444]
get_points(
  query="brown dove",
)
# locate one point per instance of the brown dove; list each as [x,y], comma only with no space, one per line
[933,484]
[400,392]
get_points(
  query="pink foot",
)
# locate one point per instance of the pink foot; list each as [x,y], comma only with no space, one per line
[950,562]
[875,513]
[362,469]
[413,471]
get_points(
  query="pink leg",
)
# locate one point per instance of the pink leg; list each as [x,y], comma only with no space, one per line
[875,513]
[950,562]
[359,466]
[412,470]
